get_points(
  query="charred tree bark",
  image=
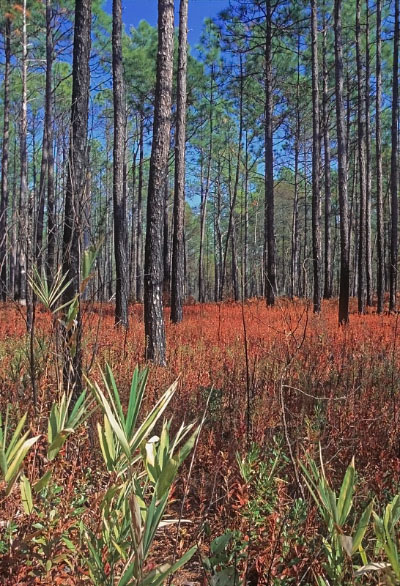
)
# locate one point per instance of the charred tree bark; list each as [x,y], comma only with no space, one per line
[344,284]
[139,235]
[166,247]
[294,274]
[133,242]
[327,171]
[153,304]
[205,193]
[4,161]
[368,237]
[26,199]
[393,166]
[316,164]
[380,277]
[119,198]
[47,145]
[362,239]
[75,189]
[178,276]
[269,204]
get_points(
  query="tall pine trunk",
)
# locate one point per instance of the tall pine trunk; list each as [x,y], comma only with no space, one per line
[327,169]
[205,193]
[269,204]
[139,235]
[316,164]
[394,166]
[344,284]
[153,303]
[4,161]
[119,199]
[26,201]
[362,237]
[380,277]
[75,189]
[178,276]
[368,236]
[47,143]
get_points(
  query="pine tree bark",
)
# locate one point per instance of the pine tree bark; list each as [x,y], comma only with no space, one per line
[205,193]
[269,204]
[178,276]
[394,166]
[4,161]
[139,235]
[166,247]
[133,241]
[245,263]
[344,284]
[218,237]
[75,188]
[46,144]
[316,164]
[294,274]
[230,236]
[26,199]
[153,303]
[368,236]
[119,199]
[327,169]
[380,277]
[362,239]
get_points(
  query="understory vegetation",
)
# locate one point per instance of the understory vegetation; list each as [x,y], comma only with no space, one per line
[267,452]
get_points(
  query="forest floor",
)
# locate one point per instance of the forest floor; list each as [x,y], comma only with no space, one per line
[279,382]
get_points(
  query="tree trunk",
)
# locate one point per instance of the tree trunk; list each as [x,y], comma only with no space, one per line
[245,263]
[51,217]
[269,222]
[133,246]
[166,247]
[294,275]
[178,277]
[380,277]
[46,144]
[153,304]
[230,237]
[316,164]
[393,166]
[219,254]
[26,199]
[342,163]
[75,188]
[4,162]
[139,250]
[368,237]
[327,170]
[119,200]
[205,193]
[362,240]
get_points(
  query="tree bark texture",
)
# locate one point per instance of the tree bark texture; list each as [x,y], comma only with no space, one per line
[178,275]
[316,165]
[269,204]
[119,199]
[394,166]
[75,195]
[344,284]
[4,162]
[153,281]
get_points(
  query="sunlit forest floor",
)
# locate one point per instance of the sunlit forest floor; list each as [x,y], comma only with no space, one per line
[279,382]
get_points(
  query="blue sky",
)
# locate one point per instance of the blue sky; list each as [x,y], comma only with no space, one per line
[136,10]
